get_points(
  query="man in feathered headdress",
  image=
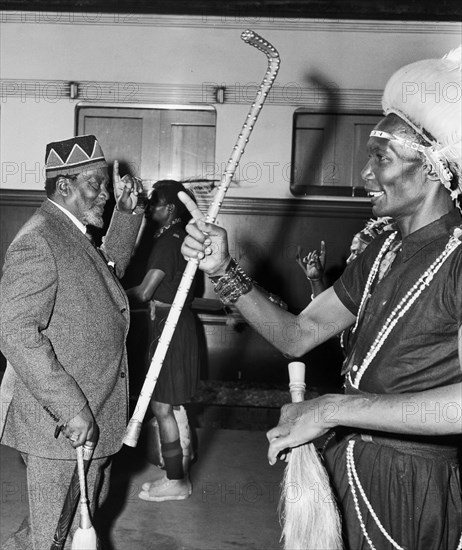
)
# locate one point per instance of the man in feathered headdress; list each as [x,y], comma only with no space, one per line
[394,456]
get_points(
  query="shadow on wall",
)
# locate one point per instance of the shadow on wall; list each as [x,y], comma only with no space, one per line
[257,359]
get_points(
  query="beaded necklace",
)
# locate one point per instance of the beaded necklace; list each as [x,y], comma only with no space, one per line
[375,268]
[354,482]
[404,305]
[162,230]
[354,479]
[411,296]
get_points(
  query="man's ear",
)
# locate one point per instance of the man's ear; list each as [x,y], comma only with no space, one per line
[63,186]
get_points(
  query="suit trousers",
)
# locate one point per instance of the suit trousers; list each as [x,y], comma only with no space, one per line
[47,484]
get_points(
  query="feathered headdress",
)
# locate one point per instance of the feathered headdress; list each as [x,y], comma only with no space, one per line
[427,96]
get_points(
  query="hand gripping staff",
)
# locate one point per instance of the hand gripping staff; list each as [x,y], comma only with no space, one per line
[73,495]
[309,515]
[85,537]
[134,426]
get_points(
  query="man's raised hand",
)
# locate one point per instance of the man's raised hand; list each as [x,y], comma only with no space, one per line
[126,190]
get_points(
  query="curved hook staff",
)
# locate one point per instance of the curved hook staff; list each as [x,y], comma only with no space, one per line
[134,426]
[253,39]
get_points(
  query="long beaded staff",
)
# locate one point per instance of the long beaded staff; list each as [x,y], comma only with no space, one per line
[134,426]
[309,515]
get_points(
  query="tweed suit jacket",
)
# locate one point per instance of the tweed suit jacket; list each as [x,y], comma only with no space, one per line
[64,320]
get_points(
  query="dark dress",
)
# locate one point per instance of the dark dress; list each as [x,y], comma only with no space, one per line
[179,377]
[413,483]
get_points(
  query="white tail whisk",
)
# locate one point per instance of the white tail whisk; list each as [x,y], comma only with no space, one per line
[309,516]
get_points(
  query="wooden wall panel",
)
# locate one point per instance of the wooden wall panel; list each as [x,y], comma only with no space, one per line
[264,235]
[16,207]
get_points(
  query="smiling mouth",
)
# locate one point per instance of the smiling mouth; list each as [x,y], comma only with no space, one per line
[375,194]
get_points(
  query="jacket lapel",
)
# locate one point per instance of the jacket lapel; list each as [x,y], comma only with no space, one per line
[64,225]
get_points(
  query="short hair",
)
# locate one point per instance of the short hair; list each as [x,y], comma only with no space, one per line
[167,190]
[50,183]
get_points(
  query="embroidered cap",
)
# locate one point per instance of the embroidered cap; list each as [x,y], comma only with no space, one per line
[73,156]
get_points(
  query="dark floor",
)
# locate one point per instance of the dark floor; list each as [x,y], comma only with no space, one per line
[233,505]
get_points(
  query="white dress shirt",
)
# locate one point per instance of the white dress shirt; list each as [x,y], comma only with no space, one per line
[74,220]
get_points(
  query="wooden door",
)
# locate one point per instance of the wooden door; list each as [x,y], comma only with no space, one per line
[153,143]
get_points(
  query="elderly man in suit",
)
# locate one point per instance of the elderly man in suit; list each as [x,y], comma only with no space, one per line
[64,321]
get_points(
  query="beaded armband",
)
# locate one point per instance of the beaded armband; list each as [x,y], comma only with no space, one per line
[233,284]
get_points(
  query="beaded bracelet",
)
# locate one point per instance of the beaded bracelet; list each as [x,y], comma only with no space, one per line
[233,284]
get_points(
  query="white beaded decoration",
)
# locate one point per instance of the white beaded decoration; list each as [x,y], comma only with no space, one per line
[404,305]
[372,275]
[354,478]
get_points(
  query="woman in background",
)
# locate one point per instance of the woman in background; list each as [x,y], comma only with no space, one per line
[314,263]
[179,377]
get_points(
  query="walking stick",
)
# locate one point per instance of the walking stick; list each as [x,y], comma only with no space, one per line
[309,514]
[134,426]
[72,497]
[85,536]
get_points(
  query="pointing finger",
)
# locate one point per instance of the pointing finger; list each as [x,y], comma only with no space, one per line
[191,206]
[323,251]
[115,172]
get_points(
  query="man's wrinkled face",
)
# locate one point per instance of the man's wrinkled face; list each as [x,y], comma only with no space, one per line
[90,194]
[394,176]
